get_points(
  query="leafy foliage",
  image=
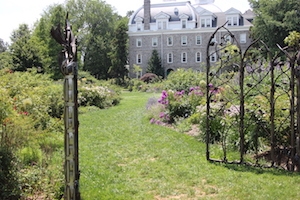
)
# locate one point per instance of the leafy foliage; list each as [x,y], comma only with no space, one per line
[119,52]
[9,183]
[278,17]
[154,64]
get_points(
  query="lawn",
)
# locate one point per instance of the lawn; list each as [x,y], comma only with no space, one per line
[123,156]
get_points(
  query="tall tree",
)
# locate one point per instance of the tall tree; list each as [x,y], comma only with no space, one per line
[53,16]
[5,57]
[3,46]
[154,64]
[25,53]
[94,23]
[274,20]
[119,52]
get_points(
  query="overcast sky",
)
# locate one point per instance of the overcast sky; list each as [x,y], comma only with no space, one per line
[15,12]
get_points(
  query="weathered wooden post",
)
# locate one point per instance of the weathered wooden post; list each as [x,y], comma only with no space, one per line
[69,70]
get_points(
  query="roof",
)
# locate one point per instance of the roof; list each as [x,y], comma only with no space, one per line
[172,9]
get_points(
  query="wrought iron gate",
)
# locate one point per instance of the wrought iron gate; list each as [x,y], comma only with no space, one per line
[252,98]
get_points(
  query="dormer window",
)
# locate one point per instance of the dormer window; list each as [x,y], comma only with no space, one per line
[183,23]
[206,22]
[232,20]
[139,23]
[233,17]
[184,19]
[162,20]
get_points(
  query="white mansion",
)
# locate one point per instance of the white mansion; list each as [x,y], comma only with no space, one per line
[180,30]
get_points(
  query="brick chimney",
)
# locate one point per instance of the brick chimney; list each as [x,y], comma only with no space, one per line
[147,14]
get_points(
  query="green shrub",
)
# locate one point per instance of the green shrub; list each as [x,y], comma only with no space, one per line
[9,184]
[31,155]
[183,80]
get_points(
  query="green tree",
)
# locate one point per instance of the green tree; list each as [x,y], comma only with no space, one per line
[24,52]
[154,64]
[274,20]
[3,46]
[53,16]
[119,53]
[94,22]
[5,56]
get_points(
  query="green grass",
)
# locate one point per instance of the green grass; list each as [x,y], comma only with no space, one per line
[123,156]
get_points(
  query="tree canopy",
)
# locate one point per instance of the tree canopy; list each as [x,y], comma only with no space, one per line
[274,20]
[101,35]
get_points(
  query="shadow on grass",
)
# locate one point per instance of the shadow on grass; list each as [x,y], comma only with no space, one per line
[255,169]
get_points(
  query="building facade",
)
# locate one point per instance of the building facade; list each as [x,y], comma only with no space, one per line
[180,31]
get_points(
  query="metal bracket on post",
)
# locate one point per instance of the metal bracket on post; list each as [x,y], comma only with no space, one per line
[69,70]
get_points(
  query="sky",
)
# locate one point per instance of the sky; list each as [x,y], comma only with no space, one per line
[15,12]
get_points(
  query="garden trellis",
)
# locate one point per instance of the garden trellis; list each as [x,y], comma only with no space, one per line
[252,102]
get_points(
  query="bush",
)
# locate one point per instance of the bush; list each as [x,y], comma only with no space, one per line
[9,184]
[183,80]
[31,155]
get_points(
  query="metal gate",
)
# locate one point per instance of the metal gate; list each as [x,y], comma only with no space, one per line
[252,103]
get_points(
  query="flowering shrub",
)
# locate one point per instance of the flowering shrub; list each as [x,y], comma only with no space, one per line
[99,96]
[179,104]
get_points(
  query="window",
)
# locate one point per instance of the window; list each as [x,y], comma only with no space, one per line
[184,57]
[232,21]
[198,40]
[161,24]
[170,41]
[206,22]
[184,40]
[213,57]
[154,42]
[139,42]
[170,58]
[138,26]
[198,56]
[138,58]
[243,38]
[227,38]
[183,23]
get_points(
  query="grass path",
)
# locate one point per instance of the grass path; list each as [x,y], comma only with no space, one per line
[123,156]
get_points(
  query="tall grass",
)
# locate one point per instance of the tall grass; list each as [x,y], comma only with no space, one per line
[123,156]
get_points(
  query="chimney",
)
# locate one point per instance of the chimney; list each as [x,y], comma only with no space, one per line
[146,14]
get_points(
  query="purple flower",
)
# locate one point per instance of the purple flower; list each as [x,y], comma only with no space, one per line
[152,121]
[163,99]
[162,115]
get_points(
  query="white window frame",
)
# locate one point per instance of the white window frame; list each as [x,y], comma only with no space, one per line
[243,38]
[170,58]
[196,57]
[139,58]
[138,42]
[161,24]
[183,57]
[183,23]
[154,41]
[198,39]
[213,57]
[206,22]
[184,40]
[139,26]
[232,20]
[170,38]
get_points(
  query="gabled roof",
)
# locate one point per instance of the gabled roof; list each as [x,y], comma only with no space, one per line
[205,12]
[183,16]
[162,15]
[232,11]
